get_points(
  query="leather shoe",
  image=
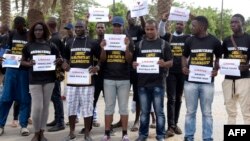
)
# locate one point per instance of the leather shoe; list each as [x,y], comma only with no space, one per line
[52,123]
[56,128]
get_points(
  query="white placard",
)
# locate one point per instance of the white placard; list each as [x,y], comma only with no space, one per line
[200,74]
[178,14]
[139,8]
[98,14]
[44,62]
[230,67]
[115,42]
[11,61]
[78,76]
[147,65]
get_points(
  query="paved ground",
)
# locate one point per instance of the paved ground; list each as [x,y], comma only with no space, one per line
[219,115]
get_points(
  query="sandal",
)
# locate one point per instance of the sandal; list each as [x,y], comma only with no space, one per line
[153,125]
[14,123]
[134,128]
[96,124]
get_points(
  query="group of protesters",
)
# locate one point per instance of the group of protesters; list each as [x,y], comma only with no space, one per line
[114,72]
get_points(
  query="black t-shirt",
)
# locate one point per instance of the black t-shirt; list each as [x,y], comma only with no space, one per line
[96,45]
[243,52]
[201,51]
[135,33]
[80,53]
[16,42]
[116,67]
[56,39]
[152,49]
[35,48]
[177,47]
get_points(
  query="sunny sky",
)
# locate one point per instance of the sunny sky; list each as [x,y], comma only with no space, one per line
[239,6]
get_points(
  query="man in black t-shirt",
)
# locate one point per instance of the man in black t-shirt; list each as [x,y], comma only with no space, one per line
[58,123]
[175,79]
[199,51]
[79,54]
[151,89]
[16,82]
[236,89]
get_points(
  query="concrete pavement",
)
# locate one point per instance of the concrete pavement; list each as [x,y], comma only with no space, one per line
[219,116]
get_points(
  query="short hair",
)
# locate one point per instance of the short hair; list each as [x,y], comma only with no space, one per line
[151,21]
[100,23]
[203,21]
[241,17]
[19,21]
[46,33]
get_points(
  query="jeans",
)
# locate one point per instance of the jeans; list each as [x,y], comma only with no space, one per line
[58,104]
[16,88]
[119,89]
[195,92]
[175,85]
[147,96]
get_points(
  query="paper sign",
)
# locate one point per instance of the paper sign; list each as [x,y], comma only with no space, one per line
[200,74]
[11,61]
[178,14]
[44,62]
[77,76]
[115,42]
[139,8]
[230,67]
[98,14]
[147,65]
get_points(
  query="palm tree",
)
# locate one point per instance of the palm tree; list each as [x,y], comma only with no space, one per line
[5,10]
[67,13]
[163,6]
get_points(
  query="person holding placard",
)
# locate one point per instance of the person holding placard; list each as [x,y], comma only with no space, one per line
[16,81]
[41,82]
[199,52]
[236,88]
[175,79]
[155,58]
[58,122]
[116,56]
[79,63]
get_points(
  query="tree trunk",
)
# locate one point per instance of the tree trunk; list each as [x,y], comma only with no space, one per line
[67,14]
[35,12]
[5,10]
[162,7]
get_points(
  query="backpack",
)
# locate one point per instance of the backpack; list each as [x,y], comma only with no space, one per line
[163,43]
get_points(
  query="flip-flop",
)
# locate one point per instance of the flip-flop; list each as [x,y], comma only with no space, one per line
[134,128]
[153,125]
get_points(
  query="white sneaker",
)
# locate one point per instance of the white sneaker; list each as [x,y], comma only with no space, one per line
[125,138]
[105,138]
[25,132]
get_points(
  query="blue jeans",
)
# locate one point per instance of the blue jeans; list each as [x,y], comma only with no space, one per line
[147,96]
[16,88]
[195,92]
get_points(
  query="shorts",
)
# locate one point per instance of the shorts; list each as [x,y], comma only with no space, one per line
[80,99]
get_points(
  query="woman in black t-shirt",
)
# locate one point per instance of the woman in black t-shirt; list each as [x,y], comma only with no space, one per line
[41,81]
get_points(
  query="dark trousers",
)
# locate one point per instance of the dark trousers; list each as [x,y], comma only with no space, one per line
[15,111]
[133,82]
[58,104]
[175,84]
[98,88]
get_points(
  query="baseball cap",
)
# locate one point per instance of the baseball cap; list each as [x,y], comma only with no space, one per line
[118,20]
[69,26]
